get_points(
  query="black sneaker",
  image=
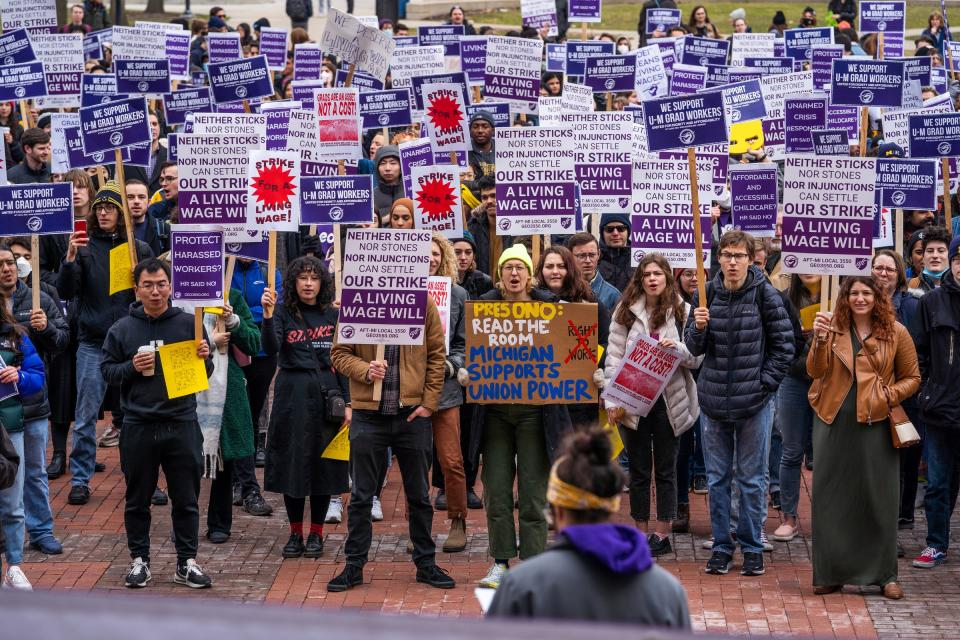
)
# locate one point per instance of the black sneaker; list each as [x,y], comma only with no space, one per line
[237,496]
[294,547]
[217,537]
[473,500]
[260,457]
[435,577]
[190,574]
[351,576]
[775,500]
[79,494]
[139,574]
[440,504]
[314,546]
[659,546]
[752,564]
[159,498]
[99,467]
[255,505]
[719,563]
[700,486]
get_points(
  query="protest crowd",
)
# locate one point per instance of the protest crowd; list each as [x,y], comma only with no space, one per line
[535,270]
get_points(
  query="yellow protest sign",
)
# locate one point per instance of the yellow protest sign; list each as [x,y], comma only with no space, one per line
[339,447]
[217,311]
[613,432]
[121,271]
[807,315]
[183,372]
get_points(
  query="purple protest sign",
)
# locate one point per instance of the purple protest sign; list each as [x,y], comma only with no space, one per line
[22,81]
[919,69]
[584,10]
[882,17]
[307,60]
[499,110]
[303,91]
[687,79]
[717,75]
[830,142]
[704,51]
[92,48]
[606,74]
[336,200]
[416,153]
[821,62]
[114,125]
[417,82]
[866,83]
[742,74]
[97,88]
[662,19]
[669,232]
[278,121]
[384,297]
[259,249]
[935,136]
[556,57]
[273,44]
[362,81]
[744,102]
[473,58]
[223,47]
[178,53]
[178,104]
[687,121]
[799,43]
[802,115]
[240,80]
[385,108]
[326,169]
[447,35]
[36,209]
[142,76]
[406,41]
[15,48]
[753,199]
[907,183]
[196,264]
[770,66]
[846,119]
[579,50]
[77,159]
[171,147]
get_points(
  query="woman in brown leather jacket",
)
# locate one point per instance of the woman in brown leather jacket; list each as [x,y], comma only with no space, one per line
[862,362]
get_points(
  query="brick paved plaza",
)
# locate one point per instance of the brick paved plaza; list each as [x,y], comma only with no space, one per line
[249,568]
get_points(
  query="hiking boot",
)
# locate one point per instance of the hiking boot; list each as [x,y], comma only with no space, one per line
[752,564]
[294,547]
[435,577]
[255,505]
[110,438]
[314,546]
[495,576]
[139,574]
[440,504]
[682,523]
[334,511]
[659,546]
[191,575]
[457,538]
[79,494]
[719,563]
[350,577]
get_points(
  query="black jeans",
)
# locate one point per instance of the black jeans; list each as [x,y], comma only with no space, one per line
[176,447]
[245,475]
[220,509]
[653,431]
[412,442]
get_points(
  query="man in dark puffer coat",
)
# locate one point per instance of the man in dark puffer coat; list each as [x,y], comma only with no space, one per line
[747,339]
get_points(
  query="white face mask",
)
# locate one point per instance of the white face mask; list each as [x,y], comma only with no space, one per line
[23,267]
[326,76]
[622,48]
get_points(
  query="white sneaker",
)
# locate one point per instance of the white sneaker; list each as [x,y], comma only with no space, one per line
[334,511]
[494,577]
[15,579]
[707,544]
[767,546]
[376,510]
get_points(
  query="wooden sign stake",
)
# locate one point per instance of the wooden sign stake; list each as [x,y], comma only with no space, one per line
[127,220]
[947,204]
[697,235]
[35,270]
[378,384]
[272,262]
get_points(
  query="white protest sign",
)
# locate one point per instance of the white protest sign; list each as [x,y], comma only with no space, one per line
[751,45]
[896,127]
[436,199]
[775,89]
[549,110]
[538,14]
[415,61]
[512,72]
[273,191]
[249,124]
[576,98]
[302,135]
[338,123]
[59,157]
[446,114]
[367,47]
[62,57]
[641,376]
[651,77]
[602,159]
[440,288]
[36,16]
[140,42]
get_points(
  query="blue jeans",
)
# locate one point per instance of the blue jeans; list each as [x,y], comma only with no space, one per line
[943,465]
[91,387]
[776,449]
[11,509]
[36,493]
[795,416]
[737,450]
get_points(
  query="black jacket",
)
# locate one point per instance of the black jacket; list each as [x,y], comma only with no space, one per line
[49,342]
[22,174]
[615,266]
[846,9]
[746,355]
[476,283]
[384,195]
[642,21]
[88,280]
[144,399]
[478,226]
[936,333]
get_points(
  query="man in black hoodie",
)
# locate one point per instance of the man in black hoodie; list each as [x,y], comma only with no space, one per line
[157,431]
[615,249]
[389,180]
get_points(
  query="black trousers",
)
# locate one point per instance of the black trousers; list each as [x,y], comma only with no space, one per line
[177,449]
[220,509]
[652,435]
[412,442]
[244,474]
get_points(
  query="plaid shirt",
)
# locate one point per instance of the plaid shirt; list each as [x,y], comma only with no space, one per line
[390,397]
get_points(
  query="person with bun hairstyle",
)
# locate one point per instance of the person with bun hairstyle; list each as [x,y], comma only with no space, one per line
[609,566]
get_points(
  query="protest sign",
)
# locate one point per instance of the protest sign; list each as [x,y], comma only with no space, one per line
[446,35]
[743,101]
[606,74]
[866,83]
[798,43]
[907,183]
[419,82]
[742,74]
[539,14]
[602,159]
[668,51]
[362,81]
[36,16]
[934,136]
[277,115]
[336,200]
[59,157]
[415,61]
[414,153]
[258,249]
[651,79]
[704,51]
[512,73]
[384,298]
[687,79]
[770,66]
[662,19]
[223,47]
[150,77]
[920,69]
[753,199]
[754,45]
[846,119]
[828,214]
[446,116]
[113,125]
[339,447]
[882,16]
[307,61]
[177,49]
[821,63]
[92,45]
[77,159]
[579,50]
[641,376]
[535,180]
[273,185]
[436,199]
[230,124]
[338,123]
[3,160]
[62,57]
[439,288]
[775,91]
[830,142]
[803,115]
[473,58]
[687,121]
[576,98]
[183,372]
[584,10]
[303,91]
[661,220]
[389,108]
[367,47]
[273,44]
[896,127]
[36,209]
[717,75]
[97,88]
[142,42]
[406,41]
[196,264]
[240,79]
[530,352]
[15,48]
[22,81]
[178,104]
[499,111]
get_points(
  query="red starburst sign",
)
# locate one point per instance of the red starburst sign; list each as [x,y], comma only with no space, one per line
[444,112]
[436,199]
[272,185]
[447,122]
[273,190]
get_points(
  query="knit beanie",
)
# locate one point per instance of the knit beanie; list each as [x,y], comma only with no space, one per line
[516,252]
[954,248]
[109,193]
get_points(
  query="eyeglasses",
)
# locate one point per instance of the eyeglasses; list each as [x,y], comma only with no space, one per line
[729,257]
[150,286]
[514,268]
[885,269]
[166,178]
[615,229]
[8,263]
[586,257]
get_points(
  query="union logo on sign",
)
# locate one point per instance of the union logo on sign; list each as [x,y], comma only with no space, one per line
[20,92]
[234,247]
[34,223]
[415,332]
[860,263]
[346,331]
[336,213]
[866,96]
[609,84]
[504,224]
[944,148]
[735,115]
[704,61]
[687,136]
[142,86]
[791,261]
[898,197]
[116,138]
[882,25]
[8,60]
[384,119]
[638,255]
[241,92]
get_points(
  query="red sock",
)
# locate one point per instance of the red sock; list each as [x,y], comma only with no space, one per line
[317,529]
[296,527]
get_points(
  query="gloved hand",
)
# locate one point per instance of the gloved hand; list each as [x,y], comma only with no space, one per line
[599,379]
[463,377]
